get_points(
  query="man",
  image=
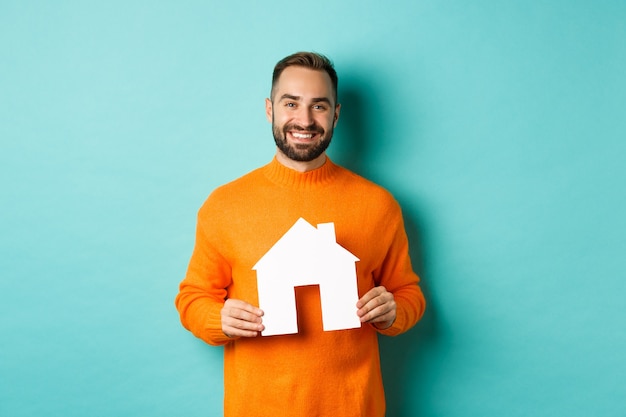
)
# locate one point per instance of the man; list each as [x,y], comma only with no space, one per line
[313,372]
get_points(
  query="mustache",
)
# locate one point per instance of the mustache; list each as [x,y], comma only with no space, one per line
[313,127]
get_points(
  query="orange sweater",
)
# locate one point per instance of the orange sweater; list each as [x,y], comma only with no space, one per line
[311,373]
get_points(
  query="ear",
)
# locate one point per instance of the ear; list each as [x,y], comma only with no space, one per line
[336,119]
[268,109]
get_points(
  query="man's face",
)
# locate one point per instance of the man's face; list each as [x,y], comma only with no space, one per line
[303,113]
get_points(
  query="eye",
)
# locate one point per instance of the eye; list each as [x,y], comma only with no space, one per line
[319,107]
[290,104]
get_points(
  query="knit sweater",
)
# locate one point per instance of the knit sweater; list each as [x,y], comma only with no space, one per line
[311,373]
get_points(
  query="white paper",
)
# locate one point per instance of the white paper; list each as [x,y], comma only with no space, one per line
[306,255]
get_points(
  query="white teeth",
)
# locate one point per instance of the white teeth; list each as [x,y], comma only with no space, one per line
[302,135]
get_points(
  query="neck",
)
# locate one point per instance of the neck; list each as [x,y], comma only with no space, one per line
[300,166]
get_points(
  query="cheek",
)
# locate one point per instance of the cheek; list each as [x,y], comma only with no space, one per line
[328,122]
[280,118]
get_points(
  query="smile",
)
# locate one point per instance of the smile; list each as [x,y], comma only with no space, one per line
[302,135]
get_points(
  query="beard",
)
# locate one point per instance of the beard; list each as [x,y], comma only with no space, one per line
[302,152]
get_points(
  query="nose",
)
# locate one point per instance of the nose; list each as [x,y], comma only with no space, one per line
[305,116]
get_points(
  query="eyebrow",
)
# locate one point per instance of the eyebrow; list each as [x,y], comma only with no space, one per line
[298,98]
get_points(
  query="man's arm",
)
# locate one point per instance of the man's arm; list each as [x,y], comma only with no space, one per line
[203,291]
[397,302]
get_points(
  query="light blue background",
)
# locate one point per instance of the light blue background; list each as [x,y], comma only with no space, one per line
[499,125]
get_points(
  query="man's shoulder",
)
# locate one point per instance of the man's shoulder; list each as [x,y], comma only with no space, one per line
[362,184]
[246,180]
[232,191]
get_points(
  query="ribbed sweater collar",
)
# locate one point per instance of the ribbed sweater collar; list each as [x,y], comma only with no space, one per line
[284,176]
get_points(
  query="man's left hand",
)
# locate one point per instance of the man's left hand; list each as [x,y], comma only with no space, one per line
[377,307]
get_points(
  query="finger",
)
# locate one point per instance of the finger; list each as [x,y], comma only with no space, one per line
[381,312]
[370,295]
[236,333]
[248,322]
[242,305]
[241,315]
[242,330]
[234,327]
[368,305]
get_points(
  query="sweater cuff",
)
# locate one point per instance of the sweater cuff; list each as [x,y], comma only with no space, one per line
[211,330]
[392,330]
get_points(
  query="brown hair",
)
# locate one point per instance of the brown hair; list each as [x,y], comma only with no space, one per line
[311,60]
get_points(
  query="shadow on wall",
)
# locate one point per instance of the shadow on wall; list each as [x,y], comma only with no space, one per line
[405,357]
[402,357]
[351,142]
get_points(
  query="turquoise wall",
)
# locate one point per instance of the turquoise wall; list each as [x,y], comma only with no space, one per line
[499,126]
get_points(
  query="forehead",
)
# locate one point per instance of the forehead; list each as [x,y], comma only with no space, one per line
[304,82]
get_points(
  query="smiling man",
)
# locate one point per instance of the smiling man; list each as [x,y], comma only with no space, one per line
[304,116]
[313,372]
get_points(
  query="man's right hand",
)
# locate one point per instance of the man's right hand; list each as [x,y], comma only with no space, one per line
[240,319]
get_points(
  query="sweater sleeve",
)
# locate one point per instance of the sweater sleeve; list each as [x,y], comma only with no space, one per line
[397,276]
[203,291]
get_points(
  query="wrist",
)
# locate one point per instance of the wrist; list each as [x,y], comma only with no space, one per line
[382,325]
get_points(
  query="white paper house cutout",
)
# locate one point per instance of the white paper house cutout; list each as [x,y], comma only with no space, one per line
[305,255]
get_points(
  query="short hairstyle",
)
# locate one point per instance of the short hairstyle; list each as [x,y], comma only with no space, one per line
[311,60]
